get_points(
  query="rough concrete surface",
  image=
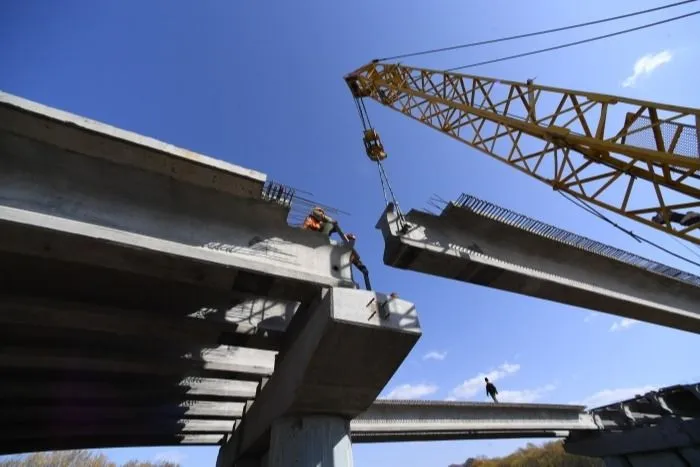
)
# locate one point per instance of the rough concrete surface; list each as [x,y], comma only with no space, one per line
[74,133]
[337,363]
[465,246]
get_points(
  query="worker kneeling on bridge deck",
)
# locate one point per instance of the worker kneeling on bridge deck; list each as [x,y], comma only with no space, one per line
[318,221]
[491,390]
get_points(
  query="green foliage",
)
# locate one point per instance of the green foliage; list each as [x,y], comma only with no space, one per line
[548,455]
[80,458]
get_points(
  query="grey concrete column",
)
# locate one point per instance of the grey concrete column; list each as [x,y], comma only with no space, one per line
[310,441]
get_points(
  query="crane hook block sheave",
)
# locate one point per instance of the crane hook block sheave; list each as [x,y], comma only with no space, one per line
[373,145]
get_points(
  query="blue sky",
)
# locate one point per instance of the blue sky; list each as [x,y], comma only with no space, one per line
[260,85]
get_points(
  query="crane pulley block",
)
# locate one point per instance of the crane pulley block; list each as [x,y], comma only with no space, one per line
[373,145]
[358,91]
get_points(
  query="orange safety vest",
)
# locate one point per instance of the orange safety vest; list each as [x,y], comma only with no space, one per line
[311,223]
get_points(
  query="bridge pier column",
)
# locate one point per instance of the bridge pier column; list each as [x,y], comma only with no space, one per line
[310,441]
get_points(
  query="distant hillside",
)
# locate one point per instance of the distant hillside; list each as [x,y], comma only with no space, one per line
[549,455]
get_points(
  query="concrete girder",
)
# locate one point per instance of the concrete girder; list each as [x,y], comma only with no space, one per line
[124,428]
[472,247]
[127,440]
[29,414]
[50,237]
[223,361]
[47,389]
[64,284]
[133,324]
[132,204]
[73,133]
[388,421]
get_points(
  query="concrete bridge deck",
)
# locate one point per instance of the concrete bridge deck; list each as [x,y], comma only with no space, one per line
[477,242]
[150,295]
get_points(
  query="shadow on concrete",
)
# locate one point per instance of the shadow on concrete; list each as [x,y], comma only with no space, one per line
[109,358]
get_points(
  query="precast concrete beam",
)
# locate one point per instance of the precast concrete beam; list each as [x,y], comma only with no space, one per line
[78,191]
[420,436]
[335,364]
[487,245]
[80,135]
[49,388]
[65,284]
[220,362]
[128,440]
[208,329]
[119,411]
[116,428]
[389,421]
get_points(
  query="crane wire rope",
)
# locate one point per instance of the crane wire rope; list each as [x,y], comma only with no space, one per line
[586,207]
[571,44]
[582,205]
[688,248]
[536,33]
[387,190]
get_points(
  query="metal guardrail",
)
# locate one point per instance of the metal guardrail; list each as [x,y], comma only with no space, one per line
[523,222]
[278,193]
[415,420]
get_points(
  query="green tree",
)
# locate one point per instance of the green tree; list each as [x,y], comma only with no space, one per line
[551,454]
[79,458]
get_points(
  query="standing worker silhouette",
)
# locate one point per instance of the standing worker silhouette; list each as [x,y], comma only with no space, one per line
[491,390]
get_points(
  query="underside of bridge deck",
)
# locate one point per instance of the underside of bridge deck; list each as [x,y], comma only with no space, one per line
[145,290]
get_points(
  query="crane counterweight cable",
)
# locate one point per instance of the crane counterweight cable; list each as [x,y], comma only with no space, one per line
[571,44]
[536,33]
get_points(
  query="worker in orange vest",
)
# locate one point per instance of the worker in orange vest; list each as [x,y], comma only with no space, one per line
[318,221]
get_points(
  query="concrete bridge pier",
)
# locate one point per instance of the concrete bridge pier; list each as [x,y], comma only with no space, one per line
[337,357]
[316,440]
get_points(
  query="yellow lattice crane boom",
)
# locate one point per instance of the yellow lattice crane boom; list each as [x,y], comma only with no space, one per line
[636,158]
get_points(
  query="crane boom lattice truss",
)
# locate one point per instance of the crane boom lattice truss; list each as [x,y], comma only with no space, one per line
[632,157]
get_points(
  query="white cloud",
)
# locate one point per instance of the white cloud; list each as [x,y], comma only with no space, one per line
[470,387]
[173,456]
[646,65]
[590,316]
[411,391]
[525,396]
[608,396]
[435,355]
[624,323]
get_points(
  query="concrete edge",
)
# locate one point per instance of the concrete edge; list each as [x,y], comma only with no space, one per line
[93,126]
